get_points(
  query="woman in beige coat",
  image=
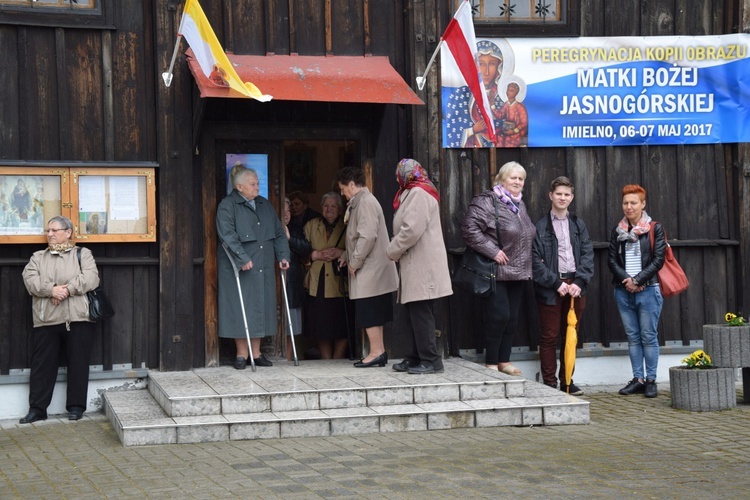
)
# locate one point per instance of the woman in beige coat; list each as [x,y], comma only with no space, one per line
[372,276]
[418,247]
[57,278]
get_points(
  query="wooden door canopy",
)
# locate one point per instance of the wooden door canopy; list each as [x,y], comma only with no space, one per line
[369,79]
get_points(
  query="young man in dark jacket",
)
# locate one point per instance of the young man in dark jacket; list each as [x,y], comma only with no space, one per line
[563,264]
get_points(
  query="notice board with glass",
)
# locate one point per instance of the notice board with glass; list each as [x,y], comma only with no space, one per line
[104,204]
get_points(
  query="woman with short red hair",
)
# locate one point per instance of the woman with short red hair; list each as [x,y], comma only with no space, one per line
[634,264]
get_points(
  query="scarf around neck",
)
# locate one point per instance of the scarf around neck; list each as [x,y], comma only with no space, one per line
[507,198]
[409,175]
[631,237]
[61,247]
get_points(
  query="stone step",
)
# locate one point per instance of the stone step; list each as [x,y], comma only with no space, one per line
[327,398]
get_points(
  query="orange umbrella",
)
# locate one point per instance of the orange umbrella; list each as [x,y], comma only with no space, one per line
[571,340]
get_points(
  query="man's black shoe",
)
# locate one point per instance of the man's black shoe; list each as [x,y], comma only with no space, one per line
[240,363]
[650,391]
[404,366]
[263,361]
[423,369]
[32,416]
[574,389]
[633,387]
[75,414]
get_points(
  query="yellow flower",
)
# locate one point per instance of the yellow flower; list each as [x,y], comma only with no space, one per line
[698,359]
[734,319]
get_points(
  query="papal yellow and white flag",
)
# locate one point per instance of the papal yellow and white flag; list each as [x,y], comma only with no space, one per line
[210,55]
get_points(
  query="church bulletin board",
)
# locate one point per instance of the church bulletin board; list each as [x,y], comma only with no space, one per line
[104,204]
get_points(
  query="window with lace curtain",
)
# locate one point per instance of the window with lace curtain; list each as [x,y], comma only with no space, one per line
[513,11]
[524,17]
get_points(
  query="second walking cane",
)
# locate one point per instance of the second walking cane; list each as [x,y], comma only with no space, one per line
[289,316]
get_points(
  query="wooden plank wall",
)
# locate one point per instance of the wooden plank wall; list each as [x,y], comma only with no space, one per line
[82,95]
[94,94]
[691,189]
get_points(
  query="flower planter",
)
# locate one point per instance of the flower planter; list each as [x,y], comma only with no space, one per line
[709,389]
[728,346]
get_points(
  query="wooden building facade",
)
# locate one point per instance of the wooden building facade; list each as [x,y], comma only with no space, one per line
[85,89]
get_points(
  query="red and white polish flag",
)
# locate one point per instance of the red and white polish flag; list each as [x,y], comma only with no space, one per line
[462,43]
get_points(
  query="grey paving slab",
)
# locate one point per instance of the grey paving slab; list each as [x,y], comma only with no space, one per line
[633,447]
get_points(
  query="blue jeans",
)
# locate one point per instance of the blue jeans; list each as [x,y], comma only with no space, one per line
[640,317]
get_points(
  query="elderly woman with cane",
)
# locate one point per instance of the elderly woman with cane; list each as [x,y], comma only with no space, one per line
[253,235]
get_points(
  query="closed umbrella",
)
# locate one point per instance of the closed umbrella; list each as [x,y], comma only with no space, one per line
[571,340]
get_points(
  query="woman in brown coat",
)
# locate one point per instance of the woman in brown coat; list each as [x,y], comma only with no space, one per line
[418,247]
[372,276]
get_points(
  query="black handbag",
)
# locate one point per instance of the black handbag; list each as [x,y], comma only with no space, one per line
[476,273]
[99,305]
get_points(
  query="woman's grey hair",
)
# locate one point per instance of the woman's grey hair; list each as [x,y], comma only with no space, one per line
[333,195]
[507,169]
[238,172]
[64,222]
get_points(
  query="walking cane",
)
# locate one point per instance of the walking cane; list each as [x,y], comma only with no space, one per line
[242,303]
[289,316]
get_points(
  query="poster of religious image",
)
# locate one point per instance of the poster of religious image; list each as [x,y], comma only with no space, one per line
[93,222]
[257,162]
[27,202]
[601,91]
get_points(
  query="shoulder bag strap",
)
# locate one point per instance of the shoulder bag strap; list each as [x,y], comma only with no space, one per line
[652,237]
[78,254]
[497,218]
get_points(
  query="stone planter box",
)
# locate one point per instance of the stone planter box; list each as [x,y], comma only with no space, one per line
[710,389]
[728,346]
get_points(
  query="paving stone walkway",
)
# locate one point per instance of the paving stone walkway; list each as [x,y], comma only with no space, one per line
[634,447]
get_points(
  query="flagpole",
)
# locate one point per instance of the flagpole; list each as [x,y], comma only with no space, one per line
[167,76]
[421,79]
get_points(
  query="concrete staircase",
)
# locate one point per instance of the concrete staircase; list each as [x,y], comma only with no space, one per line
[328,398]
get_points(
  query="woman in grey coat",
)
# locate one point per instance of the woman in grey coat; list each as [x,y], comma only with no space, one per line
[249,226]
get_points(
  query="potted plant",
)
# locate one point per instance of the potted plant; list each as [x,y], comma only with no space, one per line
[729,345]
[698,385]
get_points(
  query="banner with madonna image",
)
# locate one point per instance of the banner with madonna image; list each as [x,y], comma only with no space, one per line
[603,91]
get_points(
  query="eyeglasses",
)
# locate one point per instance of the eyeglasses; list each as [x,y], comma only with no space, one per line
[56,230]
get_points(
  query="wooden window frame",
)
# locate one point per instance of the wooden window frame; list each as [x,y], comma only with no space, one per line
[101,16]
[69,198]
[569,25]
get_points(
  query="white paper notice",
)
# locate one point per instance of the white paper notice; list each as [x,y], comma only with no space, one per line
[91,194]
[123,198]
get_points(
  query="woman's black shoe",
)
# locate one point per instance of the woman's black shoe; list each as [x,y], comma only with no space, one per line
[379,361]
[240,363]
[32,416]
[633,387]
